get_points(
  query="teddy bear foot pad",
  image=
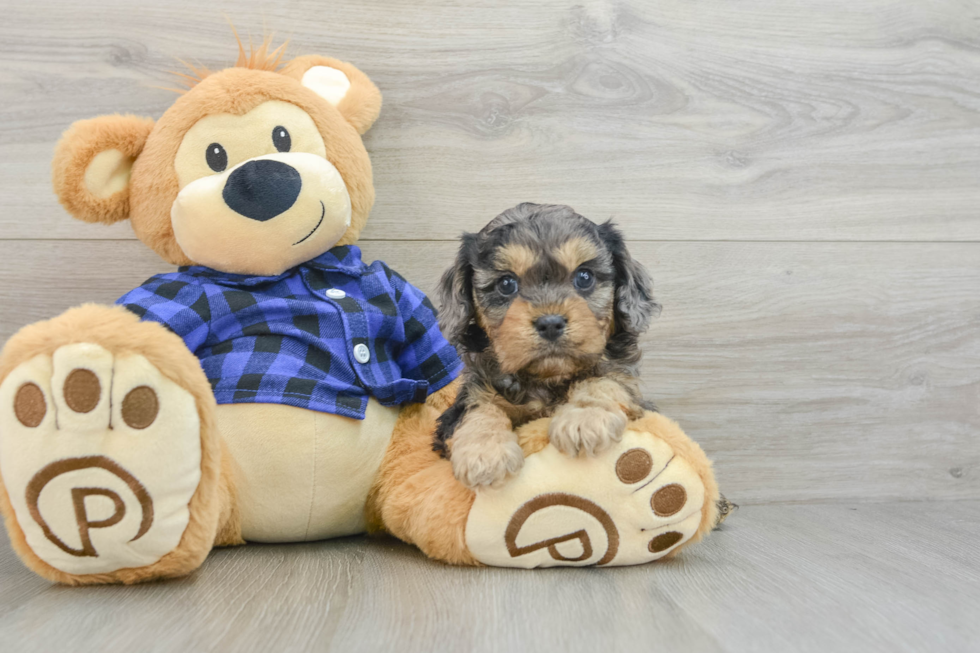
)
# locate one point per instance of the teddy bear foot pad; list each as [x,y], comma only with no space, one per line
[100,456]
[632,504]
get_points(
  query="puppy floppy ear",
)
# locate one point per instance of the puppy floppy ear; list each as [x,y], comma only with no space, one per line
[340,84]
[91,166]
[457,312]
[634,303]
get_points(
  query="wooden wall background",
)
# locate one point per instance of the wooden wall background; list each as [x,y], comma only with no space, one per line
[802,179]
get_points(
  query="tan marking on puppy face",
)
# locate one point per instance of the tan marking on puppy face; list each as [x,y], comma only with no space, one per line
[516,258]
[574,252]
[515,339]
[517,344]
[554,367]
[584,337]
[585,331]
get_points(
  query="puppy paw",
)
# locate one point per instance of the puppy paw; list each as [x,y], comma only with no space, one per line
[589,429]
[486,460]
[509,387]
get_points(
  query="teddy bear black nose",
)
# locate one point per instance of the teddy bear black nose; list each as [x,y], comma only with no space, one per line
[550,327]
[262,189]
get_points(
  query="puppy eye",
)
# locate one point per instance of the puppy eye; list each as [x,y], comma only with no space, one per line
[281,139]
[216,157]
[507,285]
[584,279]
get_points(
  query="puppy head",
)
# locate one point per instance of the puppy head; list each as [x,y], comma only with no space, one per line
[547,290]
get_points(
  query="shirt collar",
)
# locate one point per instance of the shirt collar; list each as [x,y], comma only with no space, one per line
[345,259]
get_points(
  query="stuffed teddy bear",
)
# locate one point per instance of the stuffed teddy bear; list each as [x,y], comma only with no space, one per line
[276,388]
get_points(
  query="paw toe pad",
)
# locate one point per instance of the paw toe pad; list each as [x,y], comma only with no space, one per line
[140,407]
[664,541]
[668,500]
[29,405]
[633,466]
[82,390]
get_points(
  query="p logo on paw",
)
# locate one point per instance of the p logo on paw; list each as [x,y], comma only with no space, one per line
[100,456]
[83,520]
[632,504]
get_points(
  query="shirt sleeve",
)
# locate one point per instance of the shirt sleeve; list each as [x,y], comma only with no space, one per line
[425,355]
[177,304]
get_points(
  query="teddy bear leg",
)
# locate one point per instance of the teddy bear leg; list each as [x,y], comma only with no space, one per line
[646,498]
[416,498]
[111,469]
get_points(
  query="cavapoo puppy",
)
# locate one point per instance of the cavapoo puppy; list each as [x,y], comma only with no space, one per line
[545,308]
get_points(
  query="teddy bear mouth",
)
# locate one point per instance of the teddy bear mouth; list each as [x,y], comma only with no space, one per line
[323,212]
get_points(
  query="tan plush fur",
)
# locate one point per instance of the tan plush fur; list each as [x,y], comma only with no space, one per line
[75,151]
[121,333]
[533,436]
[261,57]
[667,430]
[361,105]
[237,91]
[153,182]
[416,498]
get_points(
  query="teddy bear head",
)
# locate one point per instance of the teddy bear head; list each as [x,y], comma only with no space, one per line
[255,169]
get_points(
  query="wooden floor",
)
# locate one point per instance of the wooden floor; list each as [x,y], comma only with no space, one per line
[888,577]
[801,178]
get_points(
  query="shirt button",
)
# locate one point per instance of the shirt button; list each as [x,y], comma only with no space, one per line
[334,293]
[361,353]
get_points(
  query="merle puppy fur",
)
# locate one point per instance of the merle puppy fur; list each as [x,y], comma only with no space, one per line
[545,308]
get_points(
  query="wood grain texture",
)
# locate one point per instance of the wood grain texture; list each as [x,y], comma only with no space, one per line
[809,372]
[714,120]
[886,577]
[801,179]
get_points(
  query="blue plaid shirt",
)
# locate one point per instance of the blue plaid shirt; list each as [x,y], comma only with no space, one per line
[324,335]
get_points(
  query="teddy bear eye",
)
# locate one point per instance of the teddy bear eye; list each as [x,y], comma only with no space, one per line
[216,157]
[281,139]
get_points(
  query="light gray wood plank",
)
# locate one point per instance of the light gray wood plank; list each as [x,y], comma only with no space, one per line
[756,120]
[894,577]
[807,371]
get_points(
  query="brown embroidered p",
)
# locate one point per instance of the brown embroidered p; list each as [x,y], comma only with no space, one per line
[78,496]
[545,501]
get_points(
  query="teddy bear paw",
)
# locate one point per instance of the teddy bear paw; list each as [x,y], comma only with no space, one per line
[100,456]
[637,501]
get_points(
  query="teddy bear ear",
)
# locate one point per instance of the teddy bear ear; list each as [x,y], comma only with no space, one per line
[92,163]
[342,85]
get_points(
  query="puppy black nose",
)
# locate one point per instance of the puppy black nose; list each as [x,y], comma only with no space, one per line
[550,327]
[262,189]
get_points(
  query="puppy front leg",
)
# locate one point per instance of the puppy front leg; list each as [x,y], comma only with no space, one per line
[595,416]
[484,449]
